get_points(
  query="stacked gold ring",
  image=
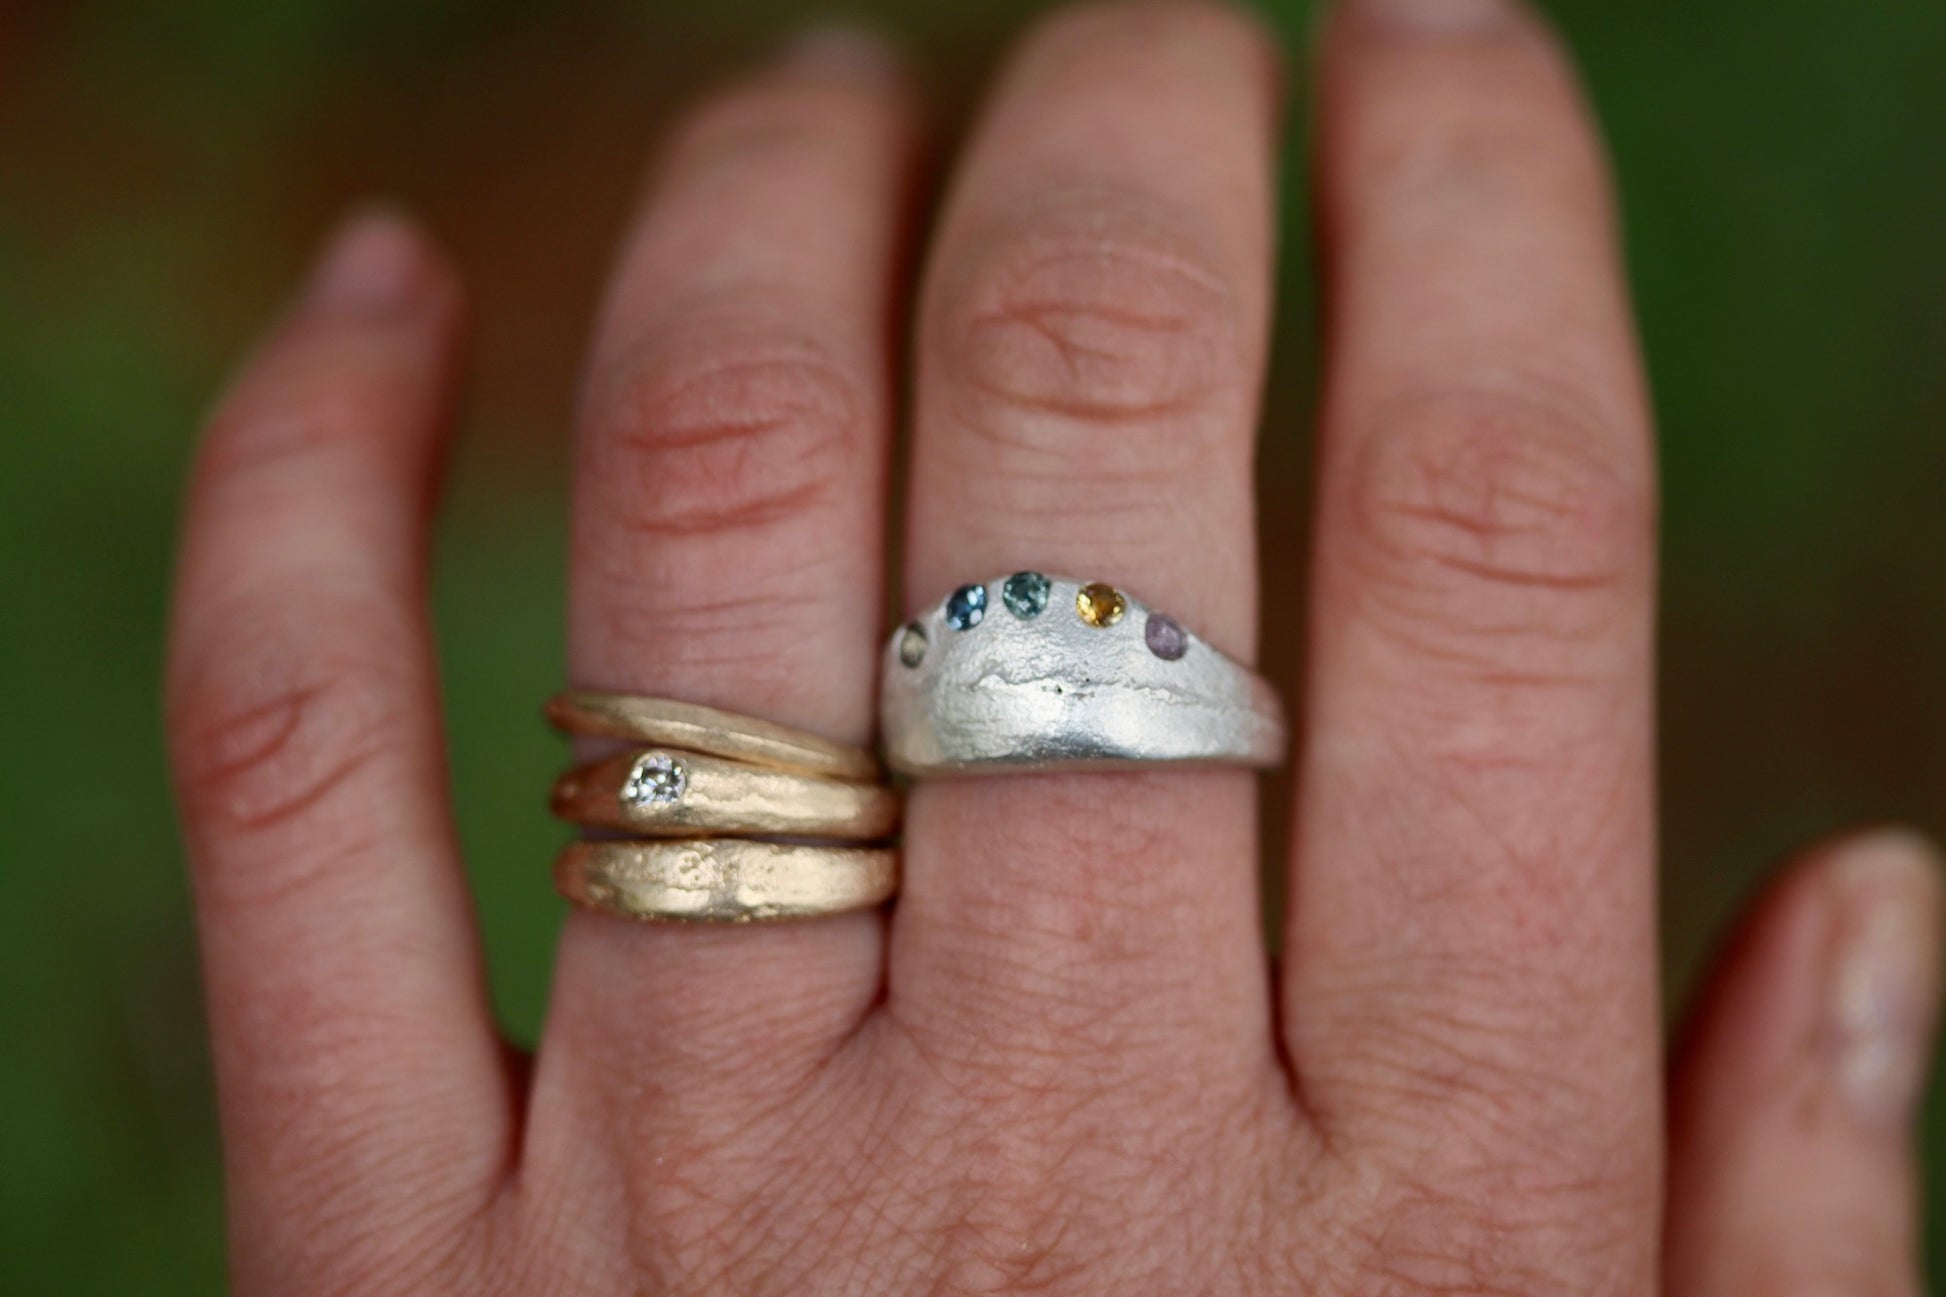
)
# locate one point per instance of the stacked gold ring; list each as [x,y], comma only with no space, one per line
[733,819]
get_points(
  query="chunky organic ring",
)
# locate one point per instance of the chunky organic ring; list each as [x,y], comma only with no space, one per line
[663,793]
[1030,671]
[724,880]
[666,723]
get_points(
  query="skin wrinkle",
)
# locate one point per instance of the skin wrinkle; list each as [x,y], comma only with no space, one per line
[1129,294]
[298,410]
[1043,508]
[1453,783]
[748,1151]
[1492,490]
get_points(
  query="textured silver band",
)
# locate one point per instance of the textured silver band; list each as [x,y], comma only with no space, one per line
[1029,671]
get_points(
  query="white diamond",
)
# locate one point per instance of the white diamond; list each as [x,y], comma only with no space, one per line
[657,777]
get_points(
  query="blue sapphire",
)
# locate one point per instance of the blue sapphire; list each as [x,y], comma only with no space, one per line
[966,607]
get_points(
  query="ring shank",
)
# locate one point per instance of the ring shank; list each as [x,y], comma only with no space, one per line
[724,880]
[664,722]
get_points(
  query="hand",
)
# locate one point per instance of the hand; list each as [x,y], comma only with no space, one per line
[1062,1063]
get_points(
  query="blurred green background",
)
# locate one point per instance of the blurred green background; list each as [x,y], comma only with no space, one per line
[167,169]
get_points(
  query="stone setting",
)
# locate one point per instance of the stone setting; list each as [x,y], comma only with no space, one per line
[1025,594]
[1165,637]
[656,779]
[966,607]
[912,644]
[1100,605]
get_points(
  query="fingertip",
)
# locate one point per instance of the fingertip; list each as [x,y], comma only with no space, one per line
[379,260]
[1882,981]
[1226,35]
[1420,51]
[843,51]
[1802,1073]
[1832,983]
[1894,856]
[1254,26]
[1428,20]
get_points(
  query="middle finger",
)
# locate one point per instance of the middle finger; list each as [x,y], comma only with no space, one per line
[1091,338]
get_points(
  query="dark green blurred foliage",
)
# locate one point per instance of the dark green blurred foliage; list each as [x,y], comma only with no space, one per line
[168,167]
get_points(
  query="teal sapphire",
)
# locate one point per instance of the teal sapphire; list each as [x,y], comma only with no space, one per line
[966,607]
[1025,594]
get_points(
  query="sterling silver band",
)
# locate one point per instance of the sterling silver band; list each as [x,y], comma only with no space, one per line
[1029,671]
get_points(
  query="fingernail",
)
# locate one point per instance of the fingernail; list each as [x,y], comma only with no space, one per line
[1432,17]
[372,263]
[842,50]
[1885,972]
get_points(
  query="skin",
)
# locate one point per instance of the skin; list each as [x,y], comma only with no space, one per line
[1064,1061]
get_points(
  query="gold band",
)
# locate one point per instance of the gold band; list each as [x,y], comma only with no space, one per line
[723,880]
[694,728]
[662,794]
[709,783]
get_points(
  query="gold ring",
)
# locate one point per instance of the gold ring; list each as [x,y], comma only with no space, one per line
[724,880]
[664,794]
[693,728]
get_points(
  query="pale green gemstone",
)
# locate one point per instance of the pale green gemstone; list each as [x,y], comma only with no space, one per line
[912,645]
[1025,594]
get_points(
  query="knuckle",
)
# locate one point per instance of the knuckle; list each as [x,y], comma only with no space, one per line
[1098,313]
[1462,1215]
[1516,129]
[323,386]
[775,121]
[706,438]
[1530,144]
[253,431]
[381,1222]
[280,714]
[1488,516]
[1445,1241]
[1477,1070]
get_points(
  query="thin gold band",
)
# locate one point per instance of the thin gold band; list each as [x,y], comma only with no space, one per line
[663,794]
[693,728]
[723,880]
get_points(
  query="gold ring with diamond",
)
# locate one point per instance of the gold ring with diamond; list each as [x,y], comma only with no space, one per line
[724,880]
[662,793]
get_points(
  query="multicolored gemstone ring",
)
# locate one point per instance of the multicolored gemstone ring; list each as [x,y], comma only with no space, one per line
[1073,673]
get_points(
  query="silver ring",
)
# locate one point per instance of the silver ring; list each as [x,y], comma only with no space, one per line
[1028,671]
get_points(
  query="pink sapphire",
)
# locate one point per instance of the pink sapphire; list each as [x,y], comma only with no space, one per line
[1165,638]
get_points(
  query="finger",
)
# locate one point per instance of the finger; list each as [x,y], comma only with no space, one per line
[729,532]
[1471,926]
[1792,1168]
[358,1069]
[1091,343]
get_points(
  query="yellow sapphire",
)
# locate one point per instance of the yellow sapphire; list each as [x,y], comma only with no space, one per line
[1100,605]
